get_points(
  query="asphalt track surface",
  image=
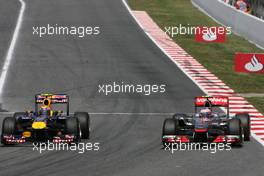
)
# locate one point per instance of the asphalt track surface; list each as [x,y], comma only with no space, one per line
[129,144]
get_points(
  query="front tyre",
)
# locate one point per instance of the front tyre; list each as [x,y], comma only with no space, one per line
[235,128]
[245,123]
[8,128]
[72,128]
[169,127]
[84,121]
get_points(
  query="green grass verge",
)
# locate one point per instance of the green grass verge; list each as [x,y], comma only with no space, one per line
[216,57]
[258,102]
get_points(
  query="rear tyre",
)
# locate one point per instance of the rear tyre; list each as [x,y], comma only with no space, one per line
[84,121]
[245,123]
[72,128]
[235,128]
[8,128]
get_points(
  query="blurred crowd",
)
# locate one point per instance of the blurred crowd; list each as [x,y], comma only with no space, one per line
[254,7]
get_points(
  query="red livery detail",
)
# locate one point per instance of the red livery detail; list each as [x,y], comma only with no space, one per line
[215,101]
[200,130]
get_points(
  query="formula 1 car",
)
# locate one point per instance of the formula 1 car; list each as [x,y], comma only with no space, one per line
[206,126]
[46,124]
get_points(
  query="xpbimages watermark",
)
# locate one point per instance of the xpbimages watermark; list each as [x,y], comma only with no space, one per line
[75,147]
[52,30]
[173,31]
[145,89]
[209,147]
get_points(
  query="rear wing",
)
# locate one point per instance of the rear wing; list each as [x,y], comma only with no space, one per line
[219,101]
[55,99]
[216,101]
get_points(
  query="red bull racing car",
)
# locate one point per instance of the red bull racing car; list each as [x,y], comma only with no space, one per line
[207,126]
[45,123]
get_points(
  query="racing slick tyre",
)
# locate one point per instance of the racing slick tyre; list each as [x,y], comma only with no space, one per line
[84,121]
[169,127]
[8,127]
[245,123]
[235,128]
[73,128]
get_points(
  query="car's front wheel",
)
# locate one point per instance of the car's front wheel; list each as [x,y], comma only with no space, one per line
[72,128]
[245,122]
[170,126]
[8,128]
[235,128]
[84,121]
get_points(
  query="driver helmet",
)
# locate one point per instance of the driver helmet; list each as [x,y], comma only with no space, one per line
[45,109]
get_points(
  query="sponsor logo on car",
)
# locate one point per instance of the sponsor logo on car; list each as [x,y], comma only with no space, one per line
[216,101]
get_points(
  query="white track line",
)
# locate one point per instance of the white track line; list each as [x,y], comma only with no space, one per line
[11,47]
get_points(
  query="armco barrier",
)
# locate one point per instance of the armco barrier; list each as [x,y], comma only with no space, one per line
[248,26]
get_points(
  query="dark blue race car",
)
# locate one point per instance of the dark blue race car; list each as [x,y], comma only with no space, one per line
[45,123]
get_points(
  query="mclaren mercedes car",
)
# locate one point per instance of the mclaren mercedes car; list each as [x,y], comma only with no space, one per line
[207,124]
[46,123]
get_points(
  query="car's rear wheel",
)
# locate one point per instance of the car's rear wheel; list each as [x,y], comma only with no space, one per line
[84,121]
[72,128]
[235,128]
[8,128]
[245,123]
